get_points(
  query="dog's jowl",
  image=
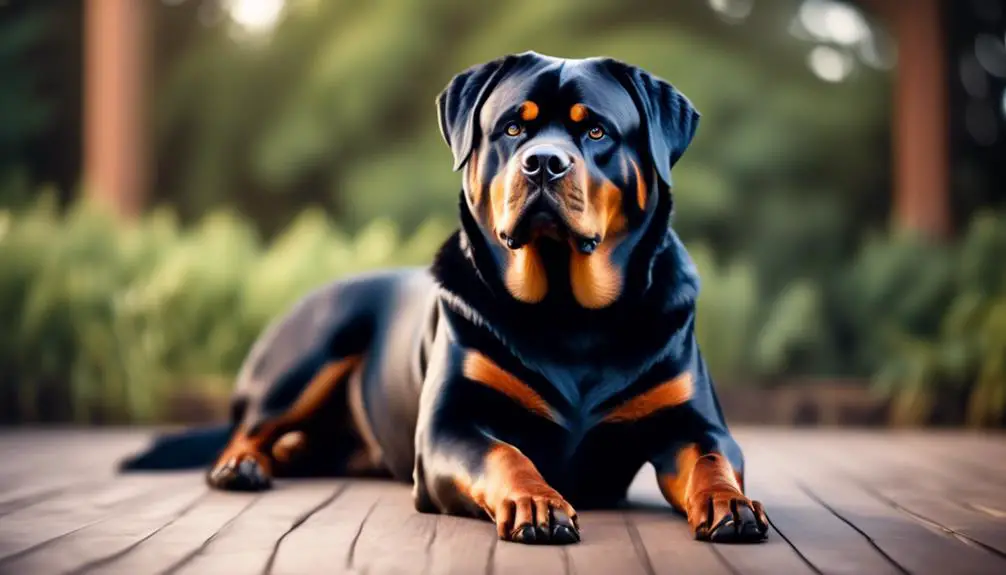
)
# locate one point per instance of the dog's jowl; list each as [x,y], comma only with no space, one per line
[546,355]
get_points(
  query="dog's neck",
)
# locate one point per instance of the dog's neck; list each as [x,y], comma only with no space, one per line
[657,299]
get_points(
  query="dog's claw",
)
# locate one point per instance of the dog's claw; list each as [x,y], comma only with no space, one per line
[564,534]
[558,527]
[239,474]
[526,534]
[744,523]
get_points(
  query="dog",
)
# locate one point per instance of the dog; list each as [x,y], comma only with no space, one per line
[547,354]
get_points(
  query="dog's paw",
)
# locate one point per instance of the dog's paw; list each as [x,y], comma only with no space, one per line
[239,473]
[727,517]
[537,519]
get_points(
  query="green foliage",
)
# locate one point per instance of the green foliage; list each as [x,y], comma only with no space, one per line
[106,322]
[336,106]
[726,314]
[933,323]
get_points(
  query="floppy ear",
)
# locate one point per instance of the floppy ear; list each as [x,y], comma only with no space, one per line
[459,103]
[669,119]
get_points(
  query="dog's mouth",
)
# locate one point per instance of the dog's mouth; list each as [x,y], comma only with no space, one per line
[541,218]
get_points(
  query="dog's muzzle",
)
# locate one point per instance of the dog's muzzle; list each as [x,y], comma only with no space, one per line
[542,217]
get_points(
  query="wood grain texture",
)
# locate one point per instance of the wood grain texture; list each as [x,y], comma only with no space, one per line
[246,544]
[839,502]
[102,542]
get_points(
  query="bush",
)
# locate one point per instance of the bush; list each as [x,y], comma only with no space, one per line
[106,322]
[933,323]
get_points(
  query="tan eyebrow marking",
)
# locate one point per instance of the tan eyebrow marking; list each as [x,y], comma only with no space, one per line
[578,113]
[528,111]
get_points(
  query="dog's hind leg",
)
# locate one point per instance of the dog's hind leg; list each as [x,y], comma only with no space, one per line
[250,459]
[290,414]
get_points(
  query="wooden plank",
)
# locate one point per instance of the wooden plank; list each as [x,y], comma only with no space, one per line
[670,547]
[104,540]
[461,546]
[510,557]
[182,538]
[60,458]
[395,538]
[931,488]
[27,495]
[773,556]
[843,501]
[963,523]
[664,534]
[50,519]
[326,541]
[824,540]
[247,544]
[969,465]
[607,546]
[907,543]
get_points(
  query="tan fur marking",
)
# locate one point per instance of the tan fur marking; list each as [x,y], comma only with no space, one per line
[478,367]
[640,187]
[610,213]
[528,111]
[497,201]
[578,113]
[289,446]
[474,185]
[506,487]
[525,275]
[674,486]
[704,488]
[320,388]
[594,280]
[668,394]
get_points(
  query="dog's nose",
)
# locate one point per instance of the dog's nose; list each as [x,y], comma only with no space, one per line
[545,161]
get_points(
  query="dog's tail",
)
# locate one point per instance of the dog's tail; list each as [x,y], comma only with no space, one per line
[189,449]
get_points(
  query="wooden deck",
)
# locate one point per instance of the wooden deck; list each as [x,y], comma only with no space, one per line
[839,502]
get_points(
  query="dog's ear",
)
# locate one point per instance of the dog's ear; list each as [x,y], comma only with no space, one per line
[459,103]
[669,119]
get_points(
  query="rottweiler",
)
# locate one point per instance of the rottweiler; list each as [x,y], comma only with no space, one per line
[544,357]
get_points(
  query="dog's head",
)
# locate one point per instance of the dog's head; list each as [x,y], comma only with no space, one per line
[565,163]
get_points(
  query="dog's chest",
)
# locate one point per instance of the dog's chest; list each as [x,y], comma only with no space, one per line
[583,391]
[590,461]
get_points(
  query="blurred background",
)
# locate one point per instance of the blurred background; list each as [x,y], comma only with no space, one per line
[176,173]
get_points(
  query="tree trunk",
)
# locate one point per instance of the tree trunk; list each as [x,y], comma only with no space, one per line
[115,151]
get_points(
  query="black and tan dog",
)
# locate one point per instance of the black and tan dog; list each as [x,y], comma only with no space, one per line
[547,354]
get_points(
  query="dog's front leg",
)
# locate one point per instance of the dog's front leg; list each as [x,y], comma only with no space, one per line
[464,475]
[464,467]
[700,481]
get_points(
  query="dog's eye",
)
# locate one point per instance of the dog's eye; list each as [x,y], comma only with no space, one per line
[596,133]
[513,129]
